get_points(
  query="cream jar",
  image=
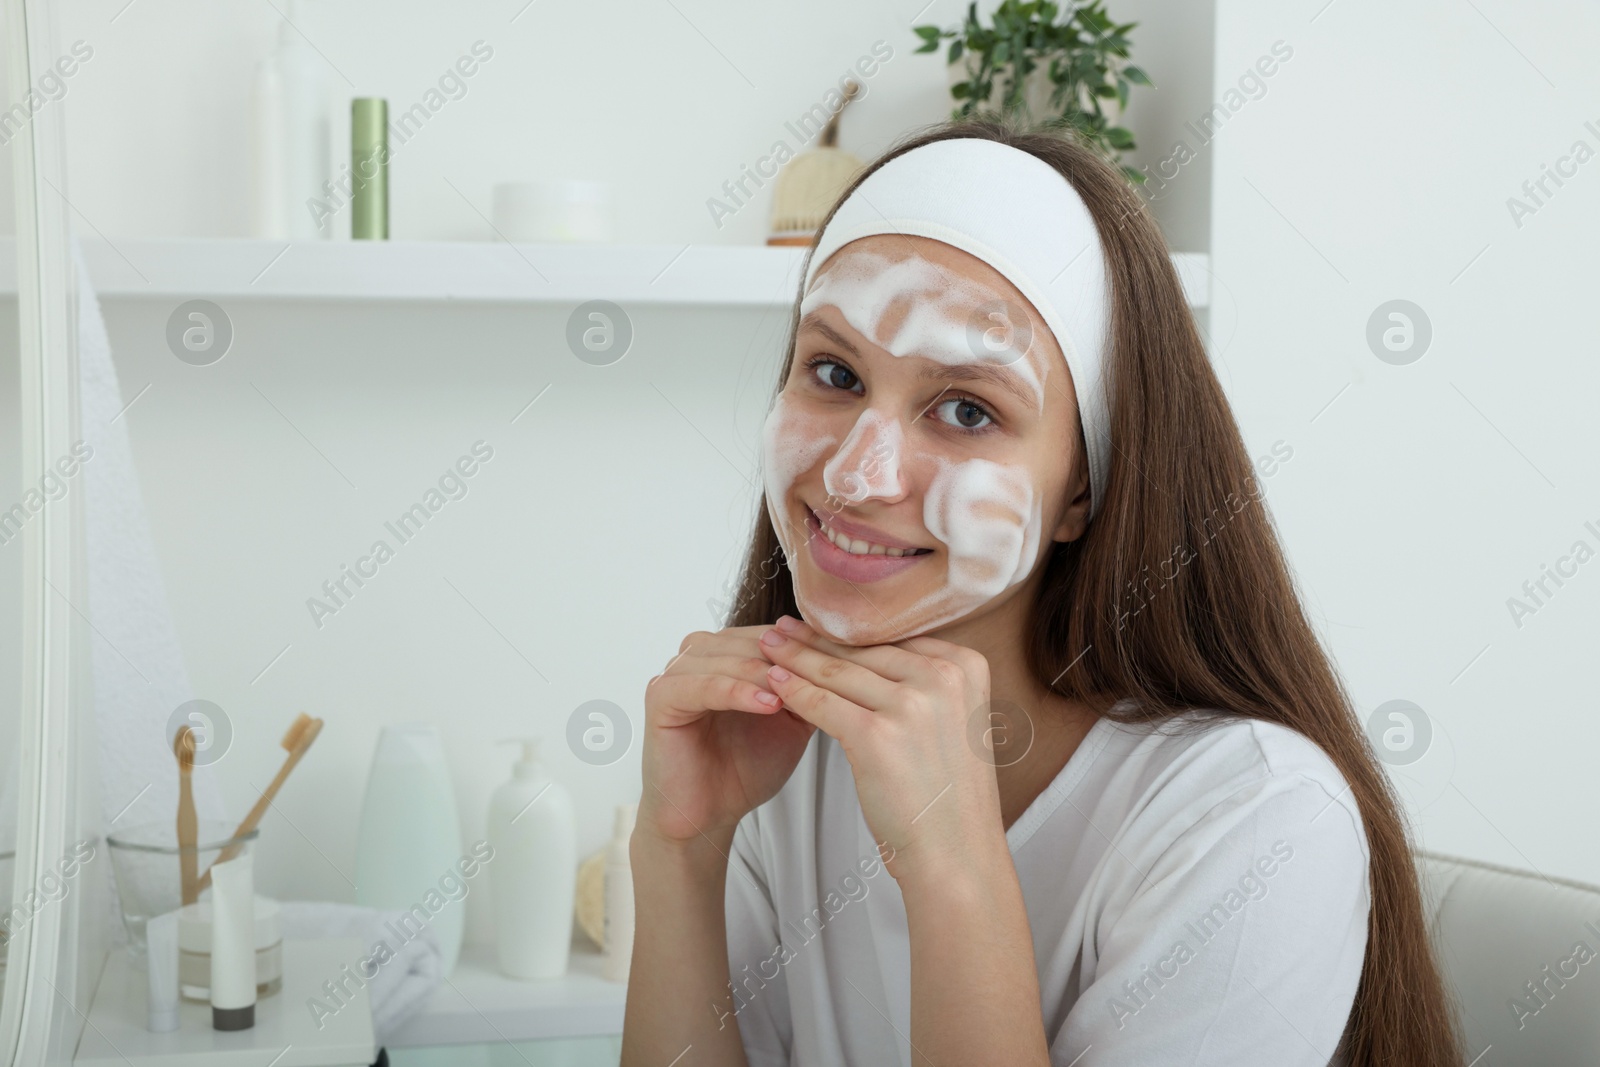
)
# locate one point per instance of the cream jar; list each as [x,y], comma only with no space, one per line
[194,950]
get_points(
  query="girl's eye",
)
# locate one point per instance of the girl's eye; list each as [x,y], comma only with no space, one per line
[964,414]
[958,412]
[834,374]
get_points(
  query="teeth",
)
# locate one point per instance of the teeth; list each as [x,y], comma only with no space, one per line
[862,548]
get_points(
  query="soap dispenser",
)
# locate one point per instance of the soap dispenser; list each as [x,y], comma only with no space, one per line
[534,873]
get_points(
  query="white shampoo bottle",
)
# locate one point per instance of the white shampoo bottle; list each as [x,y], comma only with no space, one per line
[409,840]
[619,897]
[534,876]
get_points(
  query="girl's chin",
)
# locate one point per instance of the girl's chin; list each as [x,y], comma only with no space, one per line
[860,636]
[856,617]
[854,621]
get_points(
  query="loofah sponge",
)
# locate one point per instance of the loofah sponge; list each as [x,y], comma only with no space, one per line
[589,902]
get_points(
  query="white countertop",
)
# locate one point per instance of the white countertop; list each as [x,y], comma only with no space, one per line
[478,1004]
[285,1033]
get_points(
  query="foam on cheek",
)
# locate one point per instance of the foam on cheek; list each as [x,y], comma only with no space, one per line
[989,519]
[868,463]
[941,322]
[790,446]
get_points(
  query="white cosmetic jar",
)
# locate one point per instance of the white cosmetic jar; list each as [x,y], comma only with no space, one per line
[194,950]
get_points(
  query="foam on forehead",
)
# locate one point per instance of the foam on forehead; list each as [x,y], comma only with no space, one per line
[1018,214]
[939,322]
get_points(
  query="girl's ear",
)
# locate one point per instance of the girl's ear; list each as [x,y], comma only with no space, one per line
[1075,516]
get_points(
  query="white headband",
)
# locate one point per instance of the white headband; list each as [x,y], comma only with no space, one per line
[1017,213]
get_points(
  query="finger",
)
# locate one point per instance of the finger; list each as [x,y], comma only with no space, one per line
[937,647]
[751,668]
[686,698]
[741,641]
[702,645]
[850,680]
[970,664]
[835,716]
[889,661]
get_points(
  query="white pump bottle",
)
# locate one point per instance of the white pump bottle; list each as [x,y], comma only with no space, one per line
[534,874]
[290,168]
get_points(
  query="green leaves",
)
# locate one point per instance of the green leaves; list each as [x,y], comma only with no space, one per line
[1084,58]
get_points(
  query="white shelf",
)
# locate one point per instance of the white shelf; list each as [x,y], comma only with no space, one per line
[480,1005]
[468,271]
[115,1035]
[477,1005]
[445,270]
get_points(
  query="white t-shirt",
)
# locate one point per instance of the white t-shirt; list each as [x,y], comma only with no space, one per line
[1197,900]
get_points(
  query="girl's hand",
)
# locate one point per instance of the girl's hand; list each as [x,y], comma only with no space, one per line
[901,713]
[713,749]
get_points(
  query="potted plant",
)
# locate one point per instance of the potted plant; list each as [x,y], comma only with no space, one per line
[1051,74]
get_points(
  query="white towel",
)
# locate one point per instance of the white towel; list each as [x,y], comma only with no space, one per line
[138,668]
[139,675]
[401,985]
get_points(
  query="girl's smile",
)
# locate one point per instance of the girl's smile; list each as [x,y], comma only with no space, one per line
[855,559]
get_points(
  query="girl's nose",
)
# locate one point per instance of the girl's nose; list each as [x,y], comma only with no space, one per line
[867,464]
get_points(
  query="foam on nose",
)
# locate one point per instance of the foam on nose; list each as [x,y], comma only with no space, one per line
[868,462]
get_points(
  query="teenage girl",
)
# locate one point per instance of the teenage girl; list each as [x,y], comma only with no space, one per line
[1019,748]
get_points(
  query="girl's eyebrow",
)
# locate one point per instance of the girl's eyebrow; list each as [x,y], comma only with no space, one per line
[814,321]
[996,374]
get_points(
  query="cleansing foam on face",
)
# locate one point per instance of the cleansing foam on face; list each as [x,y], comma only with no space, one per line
[233,945]
[986,514]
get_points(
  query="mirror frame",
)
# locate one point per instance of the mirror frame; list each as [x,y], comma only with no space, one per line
[43,960]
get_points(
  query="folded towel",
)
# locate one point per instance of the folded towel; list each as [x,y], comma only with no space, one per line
[406,960]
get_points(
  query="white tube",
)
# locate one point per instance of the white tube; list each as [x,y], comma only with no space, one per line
[233,945]
[619,897]
[161,942]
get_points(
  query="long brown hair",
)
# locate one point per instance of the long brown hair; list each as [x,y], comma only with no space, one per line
[1215,632]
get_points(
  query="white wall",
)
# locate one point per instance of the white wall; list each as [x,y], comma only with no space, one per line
[616,507]
[1421,497]
[665,101]
[581,554]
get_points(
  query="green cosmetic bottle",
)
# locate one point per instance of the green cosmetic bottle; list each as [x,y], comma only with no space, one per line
[369,165]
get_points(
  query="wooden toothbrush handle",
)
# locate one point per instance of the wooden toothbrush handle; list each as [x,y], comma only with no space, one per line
[187,827]
[188,834]
[254,817]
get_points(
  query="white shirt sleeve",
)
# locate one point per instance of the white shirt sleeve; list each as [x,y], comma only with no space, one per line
[760,998]
[1238,945]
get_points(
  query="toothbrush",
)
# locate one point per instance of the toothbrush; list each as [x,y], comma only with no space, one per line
[188,826]
[296,740]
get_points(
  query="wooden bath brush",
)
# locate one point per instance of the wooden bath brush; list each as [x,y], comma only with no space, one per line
[808,186]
